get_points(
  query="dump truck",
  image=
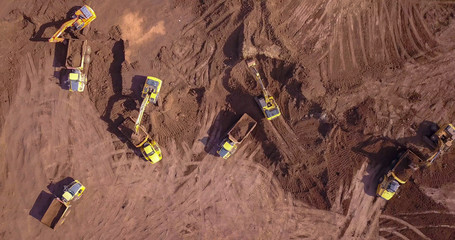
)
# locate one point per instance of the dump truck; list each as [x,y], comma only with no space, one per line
[399,173]
[56,213]
[244,126]
[140,139]
[59,208]
[76,65]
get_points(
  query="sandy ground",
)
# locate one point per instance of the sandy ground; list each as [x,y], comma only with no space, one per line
[354,81]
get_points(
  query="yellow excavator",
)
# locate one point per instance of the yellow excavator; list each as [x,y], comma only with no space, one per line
[266,102]
[139,137]
[81,19]
[150,92]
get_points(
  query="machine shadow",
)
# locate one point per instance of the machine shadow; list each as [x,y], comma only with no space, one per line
[41,205]
[60,50]
[136,86]
[38,37]
[57,188]
[129,104]
[380,152]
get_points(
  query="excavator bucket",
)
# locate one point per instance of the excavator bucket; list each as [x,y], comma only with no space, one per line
[251,63]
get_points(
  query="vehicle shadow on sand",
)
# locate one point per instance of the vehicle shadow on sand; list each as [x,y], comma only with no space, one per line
[41,204]
[380,152]
[129,105]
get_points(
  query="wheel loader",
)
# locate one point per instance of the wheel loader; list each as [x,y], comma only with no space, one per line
[244,126]
[81,19]
[266,102]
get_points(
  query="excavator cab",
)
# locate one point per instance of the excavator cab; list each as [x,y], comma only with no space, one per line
[151,152]
[84,16]
[152,88]
[266,102]
[81,19]
[269,107]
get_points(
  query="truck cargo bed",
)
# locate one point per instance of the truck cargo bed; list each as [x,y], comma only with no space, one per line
[74,53]
[127,129]
[242,128]
[55,213]
[407,165]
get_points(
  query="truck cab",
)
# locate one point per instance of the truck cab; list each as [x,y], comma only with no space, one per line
[387,188]
[227,148]
[77,80]
[73,191]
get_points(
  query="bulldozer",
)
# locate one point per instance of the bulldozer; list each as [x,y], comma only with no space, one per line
[266,102]
[150,93]
[81,19]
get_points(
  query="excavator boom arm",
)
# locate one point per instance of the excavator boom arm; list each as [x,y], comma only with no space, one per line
[56,37]
[259,79]
[144,104]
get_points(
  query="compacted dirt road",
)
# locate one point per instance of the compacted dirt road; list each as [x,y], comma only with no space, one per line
[354,81]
